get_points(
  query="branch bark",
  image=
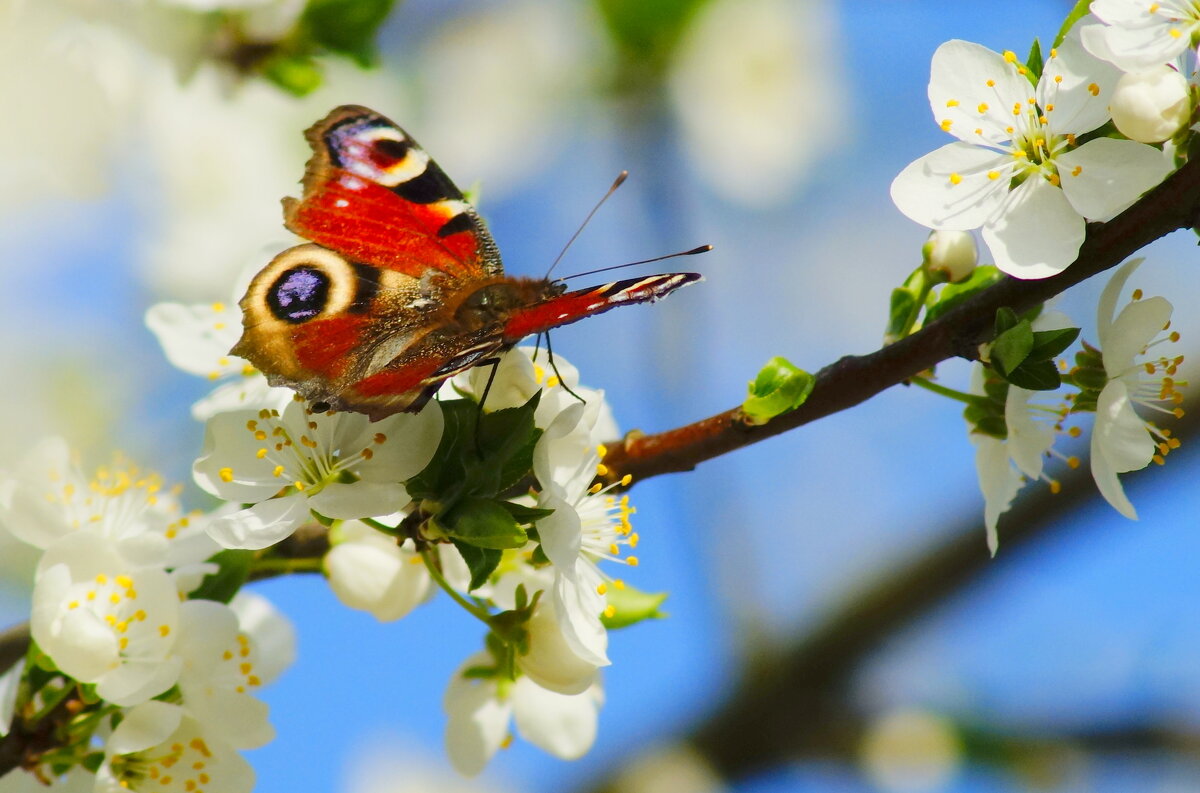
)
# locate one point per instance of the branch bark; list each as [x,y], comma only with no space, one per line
[1173,205]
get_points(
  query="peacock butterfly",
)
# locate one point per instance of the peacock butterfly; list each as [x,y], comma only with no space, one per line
[401,285]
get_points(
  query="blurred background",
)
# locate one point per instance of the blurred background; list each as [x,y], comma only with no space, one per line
[835,623]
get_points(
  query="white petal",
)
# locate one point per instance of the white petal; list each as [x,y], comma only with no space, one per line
[253,393]
[1106,309]
[998,482]
[561,532]
[410,441]
[973,88]
[1028,440]
[197,338]
[477,721]
[563,725]
[1119,435]
[272,632]
[82,645]
[261,525]
[551,661]
[146,725]
[1132,330]
[1105,176]
[10,682]
[1134,42]
[1039,233]
[578,605]
[229,466]
[206,629]
[1106,476]
[377,577]
[240,719]
[362,499]
[135,682]
[957,187]
[1075,88]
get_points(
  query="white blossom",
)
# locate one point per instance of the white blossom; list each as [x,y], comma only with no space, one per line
[1121,440]
[105,620]
[158,747]
[1018,170]
[480,709]
[953,253]
[1137,35]
[250,456]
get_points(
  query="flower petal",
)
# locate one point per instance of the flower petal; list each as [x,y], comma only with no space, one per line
[1106,309]
[1039,233]
[361,499]
[971,90]
[1104,176]
[1028,439]
[229,466]
[1075,88]
[146,725]
[261,525]
[135,682]
[563,725]
[1134,328]
[998,482]
[1120,435]
[408,443]
[957,187]
[477,721]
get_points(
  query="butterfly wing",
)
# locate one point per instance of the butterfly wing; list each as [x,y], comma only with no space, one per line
[372,194]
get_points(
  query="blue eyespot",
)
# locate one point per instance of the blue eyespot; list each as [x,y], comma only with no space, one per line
[299,294]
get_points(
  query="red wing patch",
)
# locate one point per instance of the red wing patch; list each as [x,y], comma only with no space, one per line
[574,306]
[373,194]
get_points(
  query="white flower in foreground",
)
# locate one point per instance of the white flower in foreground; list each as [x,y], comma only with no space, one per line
[1137,35]
[1151,106]
[159,748]
[340,465]
[197,339]
[105,621]
[479,710]
[368,570]
[223,665]
[1017,169]
[588,525]
[1121,440]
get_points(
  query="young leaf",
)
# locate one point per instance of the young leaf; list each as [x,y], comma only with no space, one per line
[1036,376]
[1049,343]
[482,562]
[778,388]
[525,515]
[631,606]
[1012,346]
[1034,62]
[483,523]
[952,295]
[346,27]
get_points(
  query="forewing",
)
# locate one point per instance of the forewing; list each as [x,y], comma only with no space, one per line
[372,194]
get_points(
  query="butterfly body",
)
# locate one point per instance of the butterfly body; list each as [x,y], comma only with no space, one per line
[401,286]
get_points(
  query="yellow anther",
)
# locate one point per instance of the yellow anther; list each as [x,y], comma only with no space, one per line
[140,615]
[601,450]
[1049,109]
[260,435]
[619,583]
[1093,89]
[367,454]
[1078,169]
[1055,486]
[610,611]
[951,103]
[633,540]
[991,83]
[993,175]
[982,108]
[226,474]
[955,178]
[601,470]
[380,438]
[164,630]
[218,307]
[552,381]
[261,453]
[101,579]
[1053,179]
[299,485]
[1010,56]
[632,561]
[1073,462]
[1174,33]
[602,589]
[1053,52]
[625,480]
[1058,78]
[946,124]
[596,488]
[278,472]
[123,581]
[74,604]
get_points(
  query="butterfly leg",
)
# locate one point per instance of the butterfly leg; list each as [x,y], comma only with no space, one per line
[495,364]
[554,367]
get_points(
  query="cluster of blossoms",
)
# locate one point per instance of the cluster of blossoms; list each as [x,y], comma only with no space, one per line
[142,674]
[411,504]
[1043,147]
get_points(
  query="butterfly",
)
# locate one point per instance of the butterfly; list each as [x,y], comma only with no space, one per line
[401,286]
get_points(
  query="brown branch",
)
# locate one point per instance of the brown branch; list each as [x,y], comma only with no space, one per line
[1173,205]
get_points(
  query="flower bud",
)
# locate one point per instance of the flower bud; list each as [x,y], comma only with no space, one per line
[952,253]
[1150,106]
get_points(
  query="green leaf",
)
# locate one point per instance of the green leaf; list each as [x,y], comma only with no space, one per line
[1005,318]
[483,523]
[952,295]
[779,387]
[443,477]
[1081,9]
[233,570]
[1034,62]
[1012,347]
[1049,343]
[1089,378]
[482,562]
[1036,376]
[347,27]
[526,515]
[631,606]
[297,74]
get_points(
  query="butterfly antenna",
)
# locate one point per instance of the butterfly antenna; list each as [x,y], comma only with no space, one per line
[692,252]
[616,183]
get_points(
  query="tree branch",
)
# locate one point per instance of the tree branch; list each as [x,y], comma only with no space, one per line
[1173,205]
